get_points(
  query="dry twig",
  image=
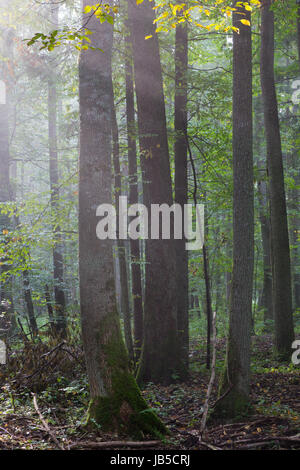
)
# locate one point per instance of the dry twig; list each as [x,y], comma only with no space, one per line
[112,444]
[45,424]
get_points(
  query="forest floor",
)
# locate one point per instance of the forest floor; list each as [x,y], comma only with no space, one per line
[44,403]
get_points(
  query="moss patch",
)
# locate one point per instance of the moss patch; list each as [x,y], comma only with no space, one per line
[123,408]
[232,407]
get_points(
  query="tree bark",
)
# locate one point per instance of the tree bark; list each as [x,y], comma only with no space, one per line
[49,307]
[298,30]
[116,403]
[280,254]
[58,262]
[296,195]
[27,291]
[160,356]
[121,248]
[265,302]
[8,322]
[29,304]
[236,378]
[181,182]
[138,314]
[293,198]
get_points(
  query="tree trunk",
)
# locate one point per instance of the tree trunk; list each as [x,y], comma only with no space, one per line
[181,189]
[265,302]
[236,378]
[280,254]
[296,219]
[58,262]
[7,322]
[49,307]
[29,304]
[298,30]
[138,315]
[160,355]
[294,230]
[121,248]
[116,403]
[27,291]
[208,305]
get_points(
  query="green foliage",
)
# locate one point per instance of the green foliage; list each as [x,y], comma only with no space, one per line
[79,40]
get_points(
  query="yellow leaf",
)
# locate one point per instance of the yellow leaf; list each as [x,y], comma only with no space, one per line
[246,22]
[148,37]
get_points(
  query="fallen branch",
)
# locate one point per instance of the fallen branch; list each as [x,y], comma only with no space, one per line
[23,334]
[110,444]
[263,440]
[43,366]
[209,446]
[58,346]
[74,357]
[45,424]
[5,430]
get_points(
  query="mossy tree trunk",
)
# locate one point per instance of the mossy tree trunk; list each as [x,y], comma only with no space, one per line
[116,403]
[280,249]
[236,379]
